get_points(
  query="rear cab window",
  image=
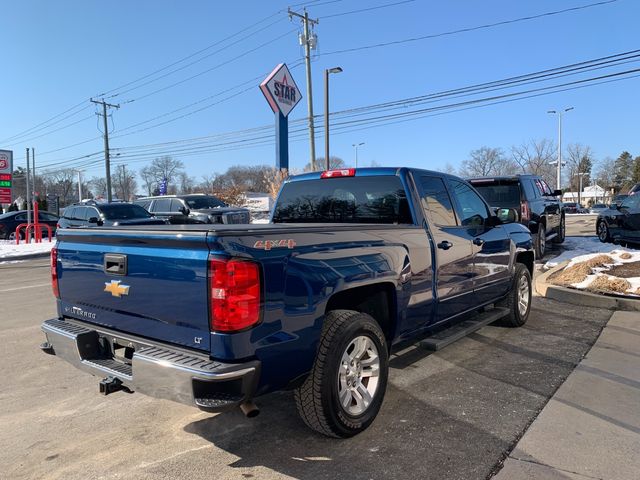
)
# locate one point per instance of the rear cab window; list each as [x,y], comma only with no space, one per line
[367,199]
[501,193]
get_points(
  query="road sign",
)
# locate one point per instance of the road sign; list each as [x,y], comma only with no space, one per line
[6,175]
[280,90]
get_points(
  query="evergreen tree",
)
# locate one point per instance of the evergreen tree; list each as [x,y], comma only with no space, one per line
[623,169]
[635,174]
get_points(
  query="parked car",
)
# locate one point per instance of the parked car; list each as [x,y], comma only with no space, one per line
[573,207]
[617,200]
[620,223]
[95,214]
[357,262]
[194,208]
[10,220]
[598,207]
[538,206]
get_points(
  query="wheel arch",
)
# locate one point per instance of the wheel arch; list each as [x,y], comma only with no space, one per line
[527,259]
[376,300]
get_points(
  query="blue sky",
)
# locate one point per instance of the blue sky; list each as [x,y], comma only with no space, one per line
[58,54]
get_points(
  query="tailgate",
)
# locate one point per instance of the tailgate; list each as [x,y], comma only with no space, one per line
[151,284]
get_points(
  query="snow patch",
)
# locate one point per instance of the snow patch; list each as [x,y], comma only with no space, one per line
[9,249]
[584,248]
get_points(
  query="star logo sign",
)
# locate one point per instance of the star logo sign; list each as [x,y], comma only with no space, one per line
[116,289]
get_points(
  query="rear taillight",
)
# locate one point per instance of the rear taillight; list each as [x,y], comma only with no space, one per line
[234,294]
[525,213]
[343,172]
[54,272]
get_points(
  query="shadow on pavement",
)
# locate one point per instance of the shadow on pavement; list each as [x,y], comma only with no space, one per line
[453,414]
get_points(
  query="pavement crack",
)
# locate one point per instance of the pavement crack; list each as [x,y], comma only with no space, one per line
[526,460]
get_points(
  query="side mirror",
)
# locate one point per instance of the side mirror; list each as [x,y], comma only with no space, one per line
[185,210]
[93,220]
[557,193]
[507,215]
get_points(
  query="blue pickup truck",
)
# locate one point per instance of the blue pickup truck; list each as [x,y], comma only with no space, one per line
[354,265]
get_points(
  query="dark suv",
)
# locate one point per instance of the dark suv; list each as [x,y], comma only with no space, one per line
[194,208]
[94,214]
[539,208]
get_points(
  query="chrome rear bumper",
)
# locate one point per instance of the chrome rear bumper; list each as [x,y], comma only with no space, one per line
[155,370]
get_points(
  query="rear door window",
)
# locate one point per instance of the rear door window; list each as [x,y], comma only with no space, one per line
[162,205]
[176,205]
[69,212]
[436,201]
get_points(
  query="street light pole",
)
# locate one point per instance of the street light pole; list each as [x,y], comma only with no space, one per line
[356,145]
[580,176]
[559,168]
[326,113]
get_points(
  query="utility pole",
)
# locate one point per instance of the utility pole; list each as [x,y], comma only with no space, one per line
[79,186]
[309,43]
[559,168]
[107,164]
[28,189]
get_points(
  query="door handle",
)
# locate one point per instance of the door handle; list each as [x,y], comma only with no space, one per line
[478,241]
[445,245]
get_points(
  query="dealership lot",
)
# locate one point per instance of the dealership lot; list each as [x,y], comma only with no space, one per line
[452,414]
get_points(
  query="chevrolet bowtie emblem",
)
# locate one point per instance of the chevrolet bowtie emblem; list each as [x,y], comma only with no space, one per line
[116,289]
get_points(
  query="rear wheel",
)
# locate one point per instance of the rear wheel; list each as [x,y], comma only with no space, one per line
[518,301]
[344,392]
[561,232]
[540,241]
[603,232]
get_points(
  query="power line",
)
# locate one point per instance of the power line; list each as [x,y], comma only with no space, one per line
[45,122]
[466,30]
[342,14]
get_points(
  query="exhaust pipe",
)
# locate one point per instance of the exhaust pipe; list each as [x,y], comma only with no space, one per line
[249,409]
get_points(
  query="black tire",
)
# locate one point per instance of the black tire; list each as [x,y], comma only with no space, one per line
[318,399]
[517,316]
[602,230]
[561,232]
[540,242]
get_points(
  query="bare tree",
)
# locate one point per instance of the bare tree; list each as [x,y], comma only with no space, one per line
[334,162]
[148,179]
[124,183]
[579,159]
[98,186]
[450,169]
[208,182]
[534,157]
[275,179]
[487,161]
[605,173]
[163,168]
[62,184]
[187,183]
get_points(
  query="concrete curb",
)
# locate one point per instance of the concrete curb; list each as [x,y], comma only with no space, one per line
[25,257]
[579,297]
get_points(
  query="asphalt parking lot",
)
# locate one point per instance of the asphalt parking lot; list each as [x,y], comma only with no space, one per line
[581,224]
[454,414]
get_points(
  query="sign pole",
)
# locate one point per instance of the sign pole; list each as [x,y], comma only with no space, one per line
[282,142]
[283,95]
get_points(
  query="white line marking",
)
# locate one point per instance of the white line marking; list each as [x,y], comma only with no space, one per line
[24,288]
